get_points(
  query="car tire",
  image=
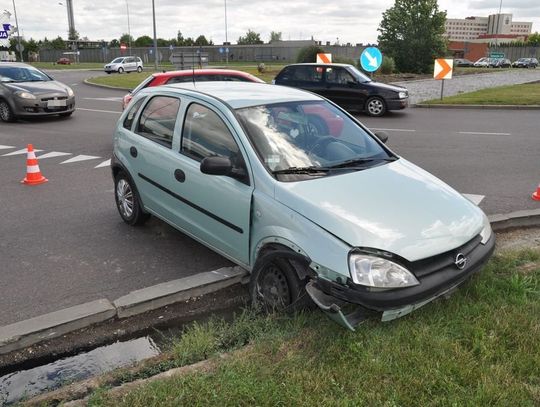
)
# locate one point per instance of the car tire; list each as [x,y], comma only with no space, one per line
[6,113]
[275,286]
[108,72]
[375,106]
[120,70]
[127,200]
[139,69]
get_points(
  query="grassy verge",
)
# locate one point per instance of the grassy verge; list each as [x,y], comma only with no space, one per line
[82,65]
[525,94]
[480,347]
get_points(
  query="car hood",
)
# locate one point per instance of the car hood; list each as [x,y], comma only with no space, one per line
[397,207]
[39,88]
[386,87]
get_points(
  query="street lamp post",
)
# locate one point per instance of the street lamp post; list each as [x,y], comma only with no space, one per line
[497,33]
[18,32]
[129,29]
[155,38]
[226,39]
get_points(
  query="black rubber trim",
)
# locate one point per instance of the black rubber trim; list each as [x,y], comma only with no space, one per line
[430,285]
[194,206]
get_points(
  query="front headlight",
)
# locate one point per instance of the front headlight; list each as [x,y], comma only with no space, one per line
[486,230]
[403,95]
[372,271]
[25,95]
[70,92]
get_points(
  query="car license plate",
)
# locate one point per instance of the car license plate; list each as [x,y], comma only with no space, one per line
[56,103]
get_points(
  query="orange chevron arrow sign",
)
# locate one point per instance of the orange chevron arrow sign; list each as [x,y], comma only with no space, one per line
[324,58]
[443,68]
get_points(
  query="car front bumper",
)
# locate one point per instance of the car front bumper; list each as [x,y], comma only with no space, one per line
[44,105]
[397,104]
[331,296]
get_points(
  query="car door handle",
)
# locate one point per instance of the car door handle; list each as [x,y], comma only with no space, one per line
[179,175]
[133,151]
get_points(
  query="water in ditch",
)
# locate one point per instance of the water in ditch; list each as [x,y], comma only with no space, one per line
[27,383]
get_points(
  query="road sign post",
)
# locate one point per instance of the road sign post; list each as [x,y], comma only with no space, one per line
[443,70]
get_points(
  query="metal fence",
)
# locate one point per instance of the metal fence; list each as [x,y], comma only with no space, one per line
[514,53]
[217,54]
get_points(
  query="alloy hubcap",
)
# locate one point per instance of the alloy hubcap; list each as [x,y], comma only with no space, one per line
[375,107]
[125,198]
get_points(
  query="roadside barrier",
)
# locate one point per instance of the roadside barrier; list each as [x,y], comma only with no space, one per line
[33,174]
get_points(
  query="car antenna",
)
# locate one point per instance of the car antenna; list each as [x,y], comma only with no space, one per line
[192,64]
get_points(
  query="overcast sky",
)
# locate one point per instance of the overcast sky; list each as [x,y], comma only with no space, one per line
[353,21]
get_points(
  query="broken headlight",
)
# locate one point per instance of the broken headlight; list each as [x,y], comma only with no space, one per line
[372,271]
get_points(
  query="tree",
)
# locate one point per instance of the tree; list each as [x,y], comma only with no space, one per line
[126,39]
[144,41]
[202,41]
[73,34]
[114,43]
[58,43]
[411,32]
[251,38]
[309,54]
[534,39]
[275,36]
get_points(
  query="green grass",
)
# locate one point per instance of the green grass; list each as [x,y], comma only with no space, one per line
[82,65]
[525,94]
[131,80]
[479,348]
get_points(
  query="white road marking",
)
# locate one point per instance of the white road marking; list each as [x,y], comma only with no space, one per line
[74,84]
[80,158]
[475,199]
[484,134]
[104,164]
[99,111]
[23,151]
[5,147]
[403,130]
[53,154]
[109,99]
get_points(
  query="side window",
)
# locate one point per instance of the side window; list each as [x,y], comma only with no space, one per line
[128,121]
[233,78]
[128,60]
[205,135]
[307,73]
[338,76]
[286,74]
[158,118]
[180,79]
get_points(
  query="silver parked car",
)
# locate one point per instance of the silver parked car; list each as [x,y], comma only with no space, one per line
[294,189]
[28,92]
[124,64]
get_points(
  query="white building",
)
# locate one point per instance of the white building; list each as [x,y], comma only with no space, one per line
[486,28]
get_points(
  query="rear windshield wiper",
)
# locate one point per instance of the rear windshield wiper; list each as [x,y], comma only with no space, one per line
[360,161]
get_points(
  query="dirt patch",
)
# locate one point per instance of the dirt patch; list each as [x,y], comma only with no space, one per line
[518,239]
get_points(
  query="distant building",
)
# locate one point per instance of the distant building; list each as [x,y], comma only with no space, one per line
[490,29]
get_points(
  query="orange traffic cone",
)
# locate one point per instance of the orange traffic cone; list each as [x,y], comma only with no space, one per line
[536,195]
[33,174]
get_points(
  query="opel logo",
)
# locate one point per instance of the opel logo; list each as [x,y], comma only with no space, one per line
[461,261]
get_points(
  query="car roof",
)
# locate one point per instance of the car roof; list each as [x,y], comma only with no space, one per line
[244,94]
[18,64]
[213,71]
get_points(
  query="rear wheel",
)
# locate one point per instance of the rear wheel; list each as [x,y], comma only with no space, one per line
[6,114]
[139,69]
[375,106]
[127,200]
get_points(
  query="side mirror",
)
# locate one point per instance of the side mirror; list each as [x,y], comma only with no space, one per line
[216,166]
[382,135]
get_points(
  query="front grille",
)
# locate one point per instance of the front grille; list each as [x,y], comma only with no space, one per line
[54,98]
[433,264]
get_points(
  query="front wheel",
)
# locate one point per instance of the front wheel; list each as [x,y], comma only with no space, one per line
[275,286]
[6,114]
[120,70]
[127,200]
[375,106]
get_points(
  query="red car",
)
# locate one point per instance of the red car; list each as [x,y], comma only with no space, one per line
[63,61]
[188,75]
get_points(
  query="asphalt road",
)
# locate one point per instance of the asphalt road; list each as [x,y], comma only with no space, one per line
[63,243]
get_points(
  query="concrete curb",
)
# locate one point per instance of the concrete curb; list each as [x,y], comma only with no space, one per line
[31,331]
[98,85]
[34,330]
[482,107]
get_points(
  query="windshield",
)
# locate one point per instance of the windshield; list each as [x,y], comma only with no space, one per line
[22,74]
[313,138]
[359,75]
[117,60]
